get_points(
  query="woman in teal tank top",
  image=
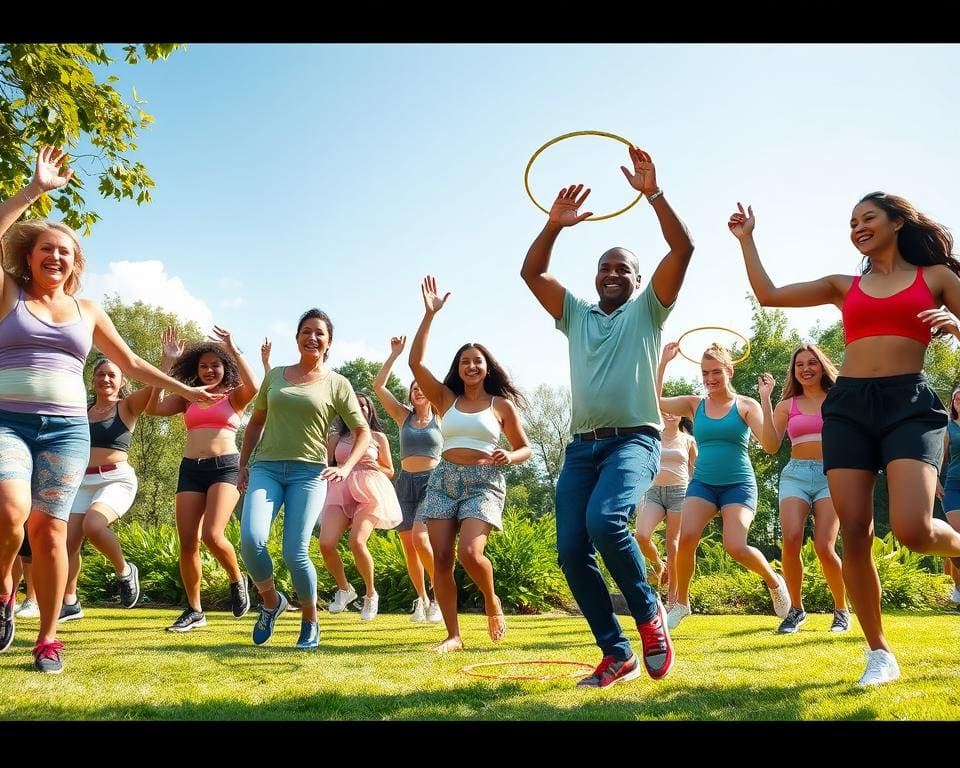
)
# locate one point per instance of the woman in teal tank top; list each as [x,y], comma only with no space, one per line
[723,479]
[949,489]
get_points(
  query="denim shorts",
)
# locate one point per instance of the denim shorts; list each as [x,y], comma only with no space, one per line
[459,491]
[50,453]
[667,497]
[411,490]
[804,479]
[744,494]
[197,475]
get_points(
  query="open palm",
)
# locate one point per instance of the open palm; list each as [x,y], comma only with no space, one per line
[48,174]
[565,209]
[431,298]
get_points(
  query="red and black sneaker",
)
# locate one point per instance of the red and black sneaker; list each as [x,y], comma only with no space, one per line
[46,657]
[612,670]
[657,646]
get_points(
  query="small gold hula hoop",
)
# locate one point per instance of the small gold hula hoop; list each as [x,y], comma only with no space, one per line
[469,669]
[526,173]
[746,341]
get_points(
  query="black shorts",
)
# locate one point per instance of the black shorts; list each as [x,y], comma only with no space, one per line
[411,490]
[867,423]
[197,475]
[25,552]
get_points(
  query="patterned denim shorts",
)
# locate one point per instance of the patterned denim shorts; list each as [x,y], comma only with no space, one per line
[458,491]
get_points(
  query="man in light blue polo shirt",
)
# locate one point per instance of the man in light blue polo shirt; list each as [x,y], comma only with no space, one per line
[615,452]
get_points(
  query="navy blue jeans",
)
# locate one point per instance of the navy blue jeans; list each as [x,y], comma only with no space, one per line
[599,487]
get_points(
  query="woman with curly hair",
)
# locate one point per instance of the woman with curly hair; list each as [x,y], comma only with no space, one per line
[207,487]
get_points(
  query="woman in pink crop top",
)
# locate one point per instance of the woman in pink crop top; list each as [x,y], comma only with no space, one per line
[207,485]
[364,501]
[881,414]
[803,486]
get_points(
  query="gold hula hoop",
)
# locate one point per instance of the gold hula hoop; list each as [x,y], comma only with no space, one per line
[469,669]
[526,173]
[746,341]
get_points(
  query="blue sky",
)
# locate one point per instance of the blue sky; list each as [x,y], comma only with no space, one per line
[291,176]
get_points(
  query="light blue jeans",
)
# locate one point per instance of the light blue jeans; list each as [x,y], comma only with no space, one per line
[298,487]
[599,486]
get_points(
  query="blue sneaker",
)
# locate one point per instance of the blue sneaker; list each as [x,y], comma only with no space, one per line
[263,629]
[309,634]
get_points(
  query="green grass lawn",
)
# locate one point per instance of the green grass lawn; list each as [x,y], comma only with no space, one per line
[121,665]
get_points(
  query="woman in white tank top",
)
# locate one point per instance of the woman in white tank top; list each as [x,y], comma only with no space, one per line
[466,490]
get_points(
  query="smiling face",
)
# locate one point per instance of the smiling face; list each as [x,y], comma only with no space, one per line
[807,369]
[210,369]
[51,261]
[108,380]
[472,366]
[416,395]
[871,229]
[618,276]
[313,338]
[716,375]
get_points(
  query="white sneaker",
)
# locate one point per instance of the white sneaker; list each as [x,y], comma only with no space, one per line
[954,596]
[677,614]
[780,597]
[342,599]
[28,609]
[370,607]
[881,668]
[419,613]
[434,615]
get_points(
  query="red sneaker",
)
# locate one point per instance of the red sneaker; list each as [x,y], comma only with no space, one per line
[610,671]
[657,646]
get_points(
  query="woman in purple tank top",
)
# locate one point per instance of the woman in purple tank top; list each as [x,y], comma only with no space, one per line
[45,337]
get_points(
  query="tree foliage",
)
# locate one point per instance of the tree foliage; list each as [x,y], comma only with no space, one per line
[50,95]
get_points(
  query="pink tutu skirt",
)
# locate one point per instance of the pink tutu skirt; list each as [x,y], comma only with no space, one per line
[366,492]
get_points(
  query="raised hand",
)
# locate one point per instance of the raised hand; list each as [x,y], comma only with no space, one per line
[670,351]
[224,337]
[941,319]
[48,175]
[644,176]
[432,302]
[765,384]
[397,343]
[172,346]
[265,349]
[563,212]
[741,224]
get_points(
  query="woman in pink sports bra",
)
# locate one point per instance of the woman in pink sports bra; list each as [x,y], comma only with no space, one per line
[207,486]
[803,486]
[881,414]
[364,501]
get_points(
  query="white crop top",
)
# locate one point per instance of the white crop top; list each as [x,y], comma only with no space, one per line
[479,431]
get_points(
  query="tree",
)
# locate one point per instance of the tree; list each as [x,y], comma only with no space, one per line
[361,373]
[157,445]
[49,95]
[547,423]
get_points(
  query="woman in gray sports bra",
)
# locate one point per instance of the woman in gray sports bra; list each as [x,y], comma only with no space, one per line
[420,446]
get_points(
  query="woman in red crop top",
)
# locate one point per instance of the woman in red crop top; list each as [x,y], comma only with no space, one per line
[803,487]
[881,413]
[207,486]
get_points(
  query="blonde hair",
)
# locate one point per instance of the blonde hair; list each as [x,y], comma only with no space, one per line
[722,355]
[19,243]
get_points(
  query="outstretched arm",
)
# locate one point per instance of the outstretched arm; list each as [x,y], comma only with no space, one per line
[158,404]
[398,412]
[682,405]
[46,177]
[265,349]
[827,290]
[438,394]
[543,285]
[774,420]
[242,395]
[668,276]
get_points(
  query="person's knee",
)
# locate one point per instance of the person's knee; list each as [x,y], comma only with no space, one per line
[824,547]
[737,549]
[914,534]
[328,547]
[792,540]
[444,560]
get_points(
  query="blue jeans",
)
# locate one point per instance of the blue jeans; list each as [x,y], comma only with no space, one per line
[298,487]
[599,486]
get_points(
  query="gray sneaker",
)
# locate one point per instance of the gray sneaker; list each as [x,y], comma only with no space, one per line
[70,612]
[792,622]
[841,621]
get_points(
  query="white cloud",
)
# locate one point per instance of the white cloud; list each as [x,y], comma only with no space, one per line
[233,303]
[148,281]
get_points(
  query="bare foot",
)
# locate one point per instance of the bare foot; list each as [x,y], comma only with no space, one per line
[496,624]
[450,644]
